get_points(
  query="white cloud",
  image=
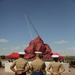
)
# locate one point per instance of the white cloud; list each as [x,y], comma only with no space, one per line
[66,51]
[4,48]
[24,46]
[60,42]
[3,40]
[72,48]
[14,48]
[11,48]
[8,50]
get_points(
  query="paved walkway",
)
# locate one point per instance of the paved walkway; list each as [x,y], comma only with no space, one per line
[2,72]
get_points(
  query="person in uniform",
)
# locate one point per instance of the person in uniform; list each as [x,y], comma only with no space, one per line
[38,66]
[55,67]
[22,65]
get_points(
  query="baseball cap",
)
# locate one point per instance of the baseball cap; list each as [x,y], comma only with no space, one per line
[22,53]
[55,56]
[38,52]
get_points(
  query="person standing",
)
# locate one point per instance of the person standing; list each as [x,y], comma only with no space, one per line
[0,62]
[38,66]
[22,65]
[55,67]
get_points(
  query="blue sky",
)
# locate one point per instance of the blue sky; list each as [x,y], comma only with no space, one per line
[54,20]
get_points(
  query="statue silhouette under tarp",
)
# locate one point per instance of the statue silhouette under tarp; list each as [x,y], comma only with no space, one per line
[37,44]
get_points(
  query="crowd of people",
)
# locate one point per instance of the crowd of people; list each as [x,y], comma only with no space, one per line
[37,66]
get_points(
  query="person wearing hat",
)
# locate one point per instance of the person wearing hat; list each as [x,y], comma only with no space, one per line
[38,66]
[55,67]
[22,65]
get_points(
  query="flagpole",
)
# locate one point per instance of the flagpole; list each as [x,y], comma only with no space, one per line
[31,24]
[29,27]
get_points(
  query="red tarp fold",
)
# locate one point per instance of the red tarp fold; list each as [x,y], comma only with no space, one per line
[13,55]
[60,56]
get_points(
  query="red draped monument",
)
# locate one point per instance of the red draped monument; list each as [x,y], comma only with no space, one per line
[37,44]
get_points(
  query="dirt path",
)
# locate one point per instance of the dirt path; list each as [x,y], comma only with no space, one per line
[2,72]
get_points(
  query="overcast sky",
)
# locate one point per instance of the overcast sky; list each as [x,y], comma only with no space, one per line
[54,21]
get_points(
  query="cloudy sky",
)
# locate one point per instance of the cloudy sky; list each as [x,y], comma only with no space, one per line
[54,21]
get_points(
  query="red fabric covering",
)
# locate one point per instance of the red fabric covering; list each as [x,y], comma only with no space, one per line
[48,52]
[13,55]
[37,45]
[60,56]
